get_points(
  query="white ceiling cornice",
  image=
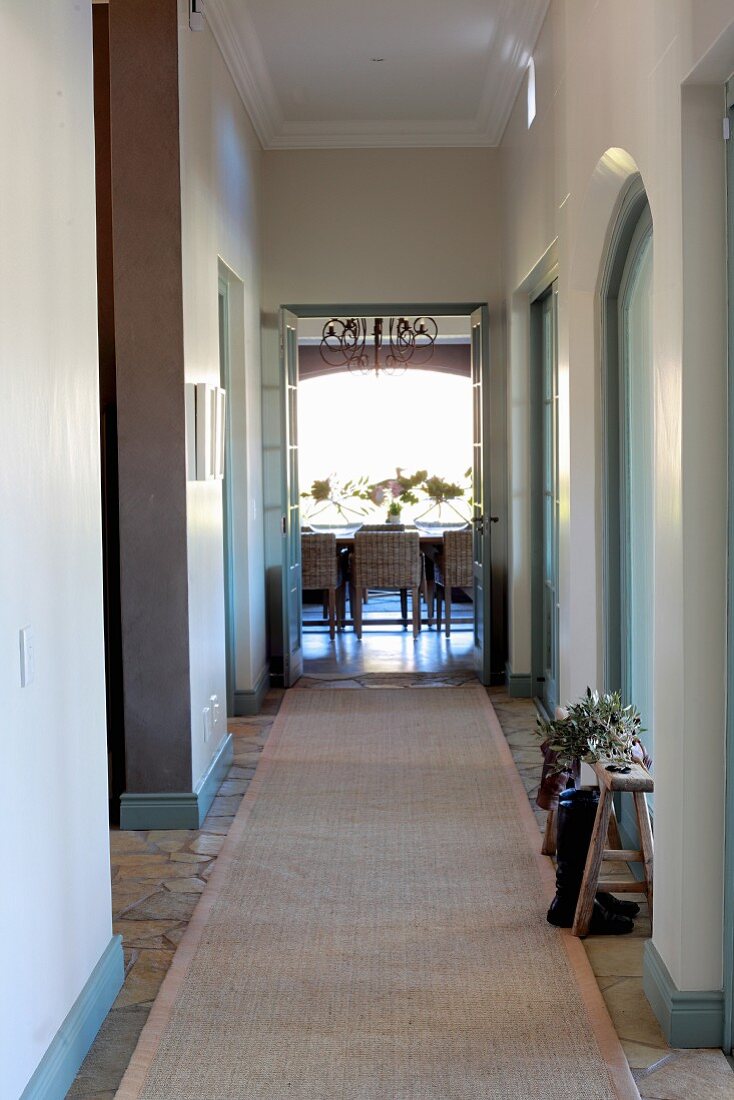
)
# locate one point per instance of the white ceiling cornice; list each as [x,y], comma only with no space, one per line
[499,95]
[247,64]
[248,68]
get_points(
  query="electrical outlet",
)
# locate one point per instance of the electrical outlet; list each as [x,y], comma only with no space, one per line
[215,709]
[27,656]
[207,716]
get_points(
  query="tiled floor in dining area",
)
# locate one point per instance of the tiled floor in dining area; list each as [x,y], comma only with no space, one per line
[388,647]
[158,877]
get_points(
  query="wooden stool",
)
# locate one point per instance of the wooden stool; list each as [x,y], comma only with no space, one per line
[550,836]
[638,782]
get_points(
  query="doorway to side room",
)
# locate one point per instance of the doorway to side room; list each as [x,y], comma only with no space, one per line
[546,499]
[628,454]
[628,466]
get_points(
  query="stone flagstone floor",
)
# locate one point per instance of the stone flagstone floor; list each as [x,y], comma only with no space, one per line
[157,877]
[661,1072]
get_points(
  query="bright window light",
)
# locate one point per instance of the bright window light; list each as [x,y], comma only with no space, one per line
[357,426]
[531,92]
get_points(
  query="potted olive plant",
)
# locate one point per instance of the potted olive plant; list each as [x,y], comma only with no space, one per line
[596,727]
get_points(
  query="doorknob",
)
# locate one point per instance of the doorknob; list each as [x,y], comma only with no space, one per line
[494,519]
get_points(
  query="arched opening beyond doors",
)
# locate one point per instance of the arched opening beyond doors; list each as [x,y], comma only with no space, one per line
[627,393]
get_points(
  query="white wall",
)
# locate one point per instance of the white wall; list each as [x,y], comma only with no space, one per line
[220,168]
[55,918]
[610,101]
[381,225]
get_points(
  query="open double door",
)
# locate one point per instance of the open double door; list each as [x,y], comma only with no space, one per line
[291,588]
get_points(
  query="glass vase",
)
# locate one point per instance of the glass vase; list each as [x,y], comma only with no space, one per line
[442,515]
[334,517]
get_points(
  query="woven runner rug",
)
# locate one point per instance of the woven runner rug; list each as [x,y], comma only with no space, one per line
[375,926]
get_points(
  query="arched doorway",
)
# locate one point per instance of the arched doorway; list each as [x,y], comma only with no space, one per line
[628,422]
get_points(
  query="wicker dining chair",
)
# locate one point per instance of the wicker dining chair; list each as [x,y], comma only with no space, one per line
[382,527]
[320,572]
[390,528]
[389,560]
[454,569]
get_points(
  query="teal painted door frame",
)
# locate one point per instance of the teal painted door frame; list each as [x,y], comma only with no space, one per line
[289,315]
[545,497]
[292,595]
[625,239]
[225,383]
[635,471]
[632,204]
[729,826]
[481,495]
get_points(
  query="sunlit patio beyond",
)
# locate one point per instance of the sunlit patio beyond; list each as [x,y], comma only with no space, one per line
[356,428]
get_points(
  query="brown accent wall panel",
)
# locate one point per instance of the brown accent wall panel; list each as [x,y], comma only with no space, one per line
[148,323]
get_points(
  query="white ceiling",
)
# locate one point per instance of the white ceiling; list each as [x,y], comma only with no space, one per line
[450,71]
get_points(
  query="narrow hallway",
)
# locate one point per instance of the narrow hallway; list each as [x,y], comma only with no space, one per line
[152,908]
[375,924]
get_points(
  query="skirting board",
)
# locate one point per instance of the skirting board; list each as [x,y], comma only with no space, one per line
[250,702]
[519,684]
[60,1064]
[688,1018]
[177,809]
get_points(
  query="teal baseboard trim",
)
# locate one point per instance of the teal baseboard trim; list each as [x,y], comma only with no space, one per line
[60,1064]
[250,702]
[212,779]
[177,809]
[688,1018]
[519,684]
[159,810]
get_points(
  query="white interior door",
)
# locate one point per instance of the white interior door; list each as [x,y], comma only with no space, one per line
[291,521]
[481,520]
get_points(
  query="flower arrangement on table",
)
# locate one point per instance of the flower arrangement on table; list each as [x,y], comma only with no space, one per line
[395,492]
[336,503]
[346,502]
[442,493]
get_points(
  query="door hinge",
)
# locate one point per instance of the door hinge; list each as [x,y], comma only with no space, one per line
[727,128]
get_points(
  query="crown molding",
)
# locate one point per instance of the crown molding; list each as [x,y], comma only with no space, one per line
[244,57]
[499,95]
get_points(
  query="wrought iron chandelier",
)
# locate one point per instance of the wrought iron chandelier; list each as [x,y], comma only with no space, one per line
[344,344]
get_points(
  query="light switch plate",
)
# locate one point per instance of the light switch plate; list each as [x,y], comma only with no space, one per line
[27,656]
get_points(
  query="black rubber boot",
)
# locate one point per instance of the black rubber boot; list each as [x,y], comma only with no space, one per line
[617,905]
[576,815]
